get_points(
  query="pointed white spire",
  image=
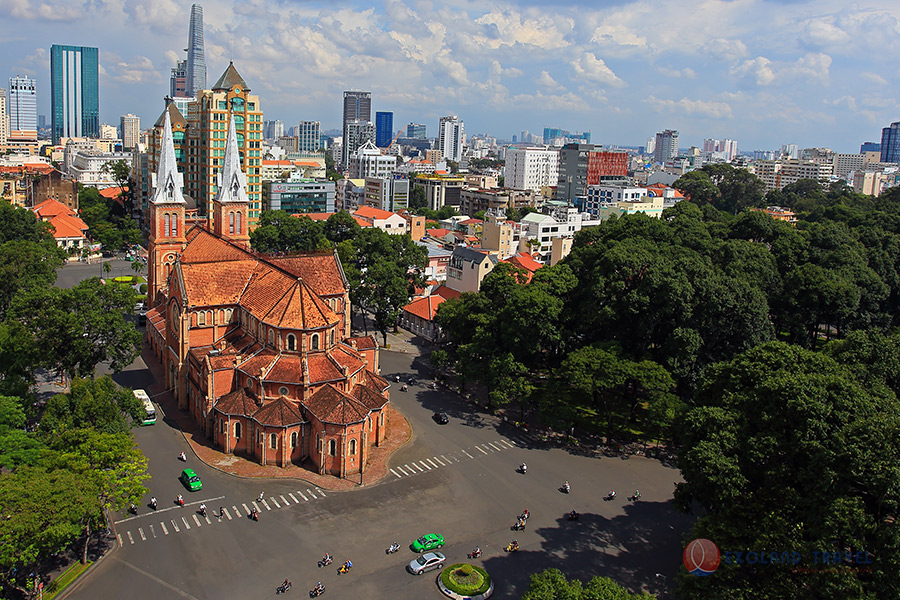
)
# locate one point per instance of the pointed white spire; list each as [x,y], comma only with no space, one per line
[167,181]
[231,179]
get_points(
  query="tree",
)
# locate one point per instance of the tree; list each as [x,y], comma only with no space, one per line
[340,226]
[98,404]
[551,584]
[120,172]
[417,199]
[279,231]
[17,446]
[20,224]
[698,188]
[786,450]
[25,264]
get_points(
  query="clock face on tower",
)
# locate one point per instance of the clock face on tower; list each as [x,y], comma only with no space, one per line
[170,257]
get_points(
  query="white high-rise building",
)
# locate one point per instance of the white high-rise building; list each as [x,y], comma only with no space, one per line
[728,148]
[451,138]
[307,133]
[22,108]
[368,161]
[531,168]
[358,127]
[651,145]
[4,121]
[130,126]
[666,146]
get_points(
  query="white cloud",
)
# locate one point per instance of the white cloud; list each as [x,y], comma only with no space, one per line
[589,67]
[546,81]
[824,32]
[686,73]
[874,78]
[138,70]
[811,67]
[41,11]
[686,106]
[728,50]
[509,28]
[543,103]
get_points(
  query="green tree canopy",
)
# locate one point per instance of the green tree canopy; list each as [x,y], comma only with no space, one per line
[553,585]
[279,231]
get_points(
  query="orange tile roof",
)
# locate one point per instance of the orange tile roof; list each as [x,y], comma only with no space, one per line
[321,271]
[371,212]
[437,232]
[51,208]
[364,342]
[368,397]
[426,308]
[330,405]
[322,369]
[113,192]
[525,261]
[444,292]
[346,356]
[239,403]
[68,226]
[280,412]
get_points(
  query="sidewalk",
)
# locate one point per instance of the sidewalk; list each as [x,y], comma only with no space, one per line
[399,434]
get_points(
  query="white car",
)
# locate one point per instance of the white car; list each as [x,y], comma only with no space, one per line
[426,562]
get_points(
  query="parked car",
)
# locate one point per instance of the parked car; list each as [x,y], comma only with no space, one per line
[426,562]
[429,541]
[191,480]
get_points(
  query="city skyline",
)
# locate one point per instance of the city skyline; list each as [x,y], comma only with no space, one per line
[764,74]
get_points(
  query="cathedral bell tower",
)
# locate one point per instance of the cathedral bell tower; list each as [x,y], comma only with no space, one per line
[167,204]
[231,206]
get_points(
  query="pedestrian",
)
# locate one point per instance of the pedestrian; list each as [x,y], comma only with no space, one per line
[221,512]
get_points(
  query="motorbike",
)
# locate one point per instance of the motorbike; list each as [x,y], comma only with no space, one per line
[254,515]
[179,501]
[610,495]
[565,488]
[132,509]
[284,587]
[474,553]
[182,457]
[393,548]
[153,503]
[522,468]
[525,514]
[317,591]
[202,511]
[512,547]
[519,526]
[345,568]
[324,562]
[404,387]
[573,516]
[634,497]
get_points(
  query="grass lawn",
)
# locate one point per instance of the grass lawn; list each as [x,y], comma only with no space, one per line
[63,581]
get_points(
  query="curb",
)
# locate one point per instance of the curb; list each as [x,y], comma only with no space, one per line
[451,594]
[84,574]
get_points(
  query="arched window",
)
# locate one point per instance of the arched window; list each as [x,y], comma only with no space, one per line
[201,318]
[231,223]
[237,430]
[294,440]
[209,317]
[238,226]
[228,314]
[250,382]
[314,342]
[237,104]
[291,342]
[332,447]
[273,441]
[174,225]
[331,343]
[352,447]
[166,227]
[272,336]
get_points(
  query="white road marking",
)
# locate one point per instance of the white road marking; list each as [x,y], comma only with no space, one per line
[294,498]
[507,443]
[255,506]
[424,465]
[396,473]
[421,470]
[480,449]
[196,520]
[130,539]
[275,502]
[175,526]
[186,524]
[440,461]
[163,525]
[469,455]
[402,470]
[120,539]
[311,494]
[448,460]
[153,531]
[321,492]
[283,499]
[305,499]
[141,531]
[432,463]
[498,449]
[264,503]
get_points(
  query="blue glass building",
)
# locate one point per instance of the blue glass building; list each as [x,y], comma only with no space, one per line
[74,92]
[384,129]
[890,143]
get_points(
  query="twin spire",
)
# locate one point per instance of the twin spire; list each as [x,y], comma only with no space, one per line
[231,180]
[167,181]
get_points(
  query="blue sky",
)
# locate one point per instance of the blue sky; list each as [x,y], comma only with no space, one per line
[766,73]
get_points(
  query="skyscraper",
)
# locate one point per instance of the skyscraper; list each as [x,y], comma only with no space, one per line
[4,122]
[307,133]
[195,76]
[74,92]
[666,145]
[384,129]
[451,137]
[357,125]
[415,131]
[130,126]
[890,143]
[22,108]
[178,80]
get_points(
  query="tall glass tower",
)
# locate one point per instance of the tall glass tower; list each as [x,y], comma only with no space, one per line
[384,129]
[196,59]
[74,92]
[358,127]
[22,107]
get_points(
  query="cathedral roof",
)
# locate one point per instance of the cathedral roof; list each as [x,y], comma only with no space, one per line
[229,79]
[280,412]
[330,405]
[321,271]
[239,402]
[168,181]
[231,181]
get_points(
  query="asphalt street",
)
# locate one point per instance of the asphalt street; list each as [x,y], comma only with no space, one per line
[458,479]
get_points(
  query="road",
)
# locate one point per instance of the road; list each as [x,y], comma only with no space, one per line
[458,479]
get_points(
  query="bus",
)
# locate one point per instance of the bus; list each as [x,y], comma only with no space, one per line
[149,409]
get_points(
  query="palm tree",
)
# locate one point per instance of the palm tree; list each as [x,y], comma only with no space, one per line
[107,268]
[137,266]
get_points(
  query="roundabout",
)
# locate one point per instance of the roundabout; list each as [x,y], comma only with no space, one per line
[463,581]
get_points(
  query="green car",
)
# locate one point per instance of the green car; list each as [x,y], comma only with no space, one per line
[429,541]
[192,482]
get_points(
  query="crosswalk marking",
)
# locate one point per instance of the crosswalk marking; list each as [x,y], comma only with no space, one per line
[175,526]
[495,447]
[305,499]
[283,499]
[275,502]
[469,455]
[264,503]
[163,525]
[448,460]
[320,492]
[196,520]
[421,470]
[186,524]
[120,538]
[255,506]
[507,443]
[401,469]
[432,463]
[141,531]
[480,449]
[439,461]
[153,531]
[130,539]
[396,473]
[294,498]
[311,494]
[424,465]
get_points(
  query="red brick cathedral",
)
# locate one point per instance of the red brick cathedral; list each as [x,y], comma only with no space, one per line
[257,348]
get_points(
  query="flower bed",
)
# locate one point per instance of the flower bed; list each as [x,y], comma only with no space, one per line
[466,579]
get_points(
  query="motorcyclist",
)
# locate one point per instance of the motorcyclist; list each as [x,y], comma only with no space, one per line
[203,509]
[611,494]
[260,497]
[404,387]
[637,494]
[566,486]
[179,499]
[182,456]
[254,515]
[320,587]
[523,467]
[153,502]
[573,515]
[285,585]
[525,514]
[476,551]
[327,558]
